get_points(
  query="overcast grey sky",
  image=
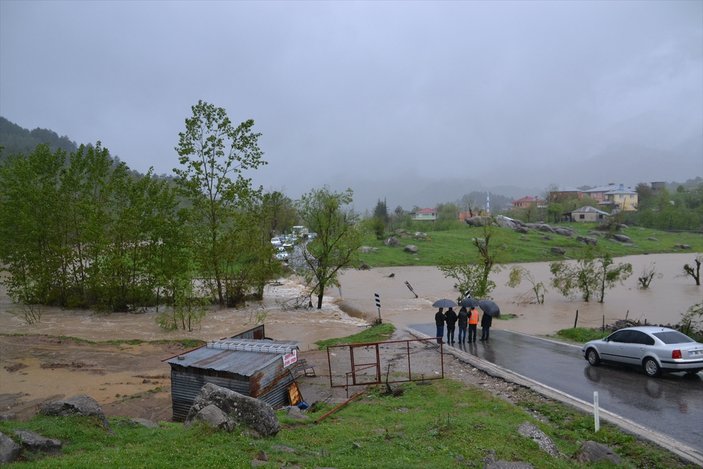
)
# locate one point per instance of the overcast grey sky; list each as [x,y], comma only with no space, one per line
[377,95]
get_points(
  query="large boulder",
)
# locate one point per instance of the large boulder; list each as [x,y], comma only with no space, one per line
[238,408]
[9,450]
[213,417]
[478,221]
[513,224]
[77,405]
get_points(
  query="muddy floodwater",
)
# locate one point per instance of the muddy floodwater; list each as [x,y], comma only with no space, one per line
[350,307]
[669,295]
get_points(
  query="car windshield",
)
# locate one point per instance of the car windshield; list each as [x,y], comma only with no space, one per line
[673,337]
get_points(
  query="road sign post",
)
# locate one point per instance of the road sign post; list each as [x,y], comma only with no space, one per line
[377,297]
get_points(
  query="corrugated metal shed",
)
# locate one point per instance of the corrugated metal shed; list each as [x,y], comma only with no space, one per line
[256,368]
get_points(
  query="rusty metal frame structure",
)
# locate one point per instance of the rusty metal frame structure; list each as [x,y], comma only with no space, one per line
[358,364]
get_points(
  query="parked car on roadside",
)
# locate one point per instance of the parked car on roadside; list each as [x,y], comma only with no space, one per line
[654,349]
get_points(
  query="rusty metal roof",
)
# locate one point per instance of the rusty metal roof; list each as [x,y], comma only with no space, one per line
[244,357]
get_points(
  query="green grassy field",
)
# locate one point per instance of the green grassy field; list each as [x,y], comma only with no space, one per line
[515,247]
[441,425]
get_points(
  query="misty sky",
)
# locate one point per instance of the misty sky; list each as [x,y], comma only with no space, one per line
[378,95]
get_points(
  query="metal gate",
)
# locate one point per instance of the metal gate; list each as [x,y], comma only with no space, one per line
[394,361]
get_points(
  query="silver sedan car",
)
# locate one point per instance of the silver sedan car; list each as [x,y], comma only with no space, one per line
[654,349]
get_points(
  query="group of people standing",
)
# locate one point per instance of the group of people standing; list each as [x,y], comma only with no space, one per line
[468,322]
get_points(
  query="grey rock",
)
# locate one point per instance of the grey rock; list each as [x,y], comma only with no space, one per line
[622,238]
[478,221]
[510,223]
[8,416]
[35,442]
[489,462]
[682,246]
[296,413]
[559,251]
[420,235]
[522,229]
[592,452]
[9,450]
[564,231]
[411,248]
[213,417]
[242,410]
[367,249]
[144,423]
[391,242]
[77,405]
[540,227]
[538,436]
[587,240]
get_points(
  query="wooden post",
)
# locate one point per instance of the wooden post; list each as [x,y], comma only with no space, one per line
[603,326]
[576,319]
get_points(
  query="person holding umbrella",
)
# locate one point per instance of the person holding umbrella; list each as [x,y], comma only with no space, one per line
[439,319]
[451,318]
[486,322]
[463,322]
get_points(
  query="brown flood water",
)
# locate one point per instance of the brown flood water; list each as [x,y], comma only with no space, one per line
[664,302]
[347,309]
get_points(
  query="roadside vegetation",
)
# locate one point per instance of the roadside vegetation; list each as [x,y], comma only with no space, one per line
[375,333]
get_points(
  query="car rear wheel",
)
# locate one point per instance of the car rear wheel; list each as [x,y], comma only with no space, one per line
[592,357]
[651,368]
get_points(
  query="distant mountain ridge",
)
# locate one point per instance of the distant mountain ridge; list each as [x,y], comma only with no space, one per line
[17,140]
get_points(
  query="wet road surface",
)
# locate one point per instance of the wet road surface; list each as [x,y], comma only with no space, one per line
[671,405]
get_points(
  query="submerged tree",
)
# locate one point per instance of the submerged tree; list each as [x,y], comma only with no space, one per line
[590,275]
[337,239]
[694,271]
[647,276]
[518,273]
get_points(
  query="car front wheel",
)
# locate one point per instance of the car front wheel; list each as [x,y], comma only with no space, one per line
[592,357]
[651,368]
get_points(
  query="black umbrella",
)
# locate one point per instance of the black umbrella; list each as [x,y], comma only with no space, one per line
[444,303]
[489,307]
[469,302]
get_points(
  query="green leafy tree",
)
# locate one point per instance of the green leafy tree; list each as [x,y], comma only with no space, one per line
[591,275]
[214,155]
[338,239]
[278,213]
[475,278]
[580,276]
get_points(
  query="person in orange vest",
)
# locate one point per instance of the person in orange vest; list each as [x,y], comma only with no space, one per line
[473,324]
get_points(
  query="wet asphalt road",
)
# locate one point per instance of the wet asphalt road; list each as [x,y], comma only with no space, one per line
[671,405]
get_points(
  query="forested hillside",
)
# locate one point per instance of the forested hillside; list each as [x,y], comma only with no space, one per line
[15,139]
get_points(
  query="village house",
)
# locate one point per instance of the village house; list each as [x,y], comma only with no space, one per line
[425,214]
[588,214]
[528,201]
